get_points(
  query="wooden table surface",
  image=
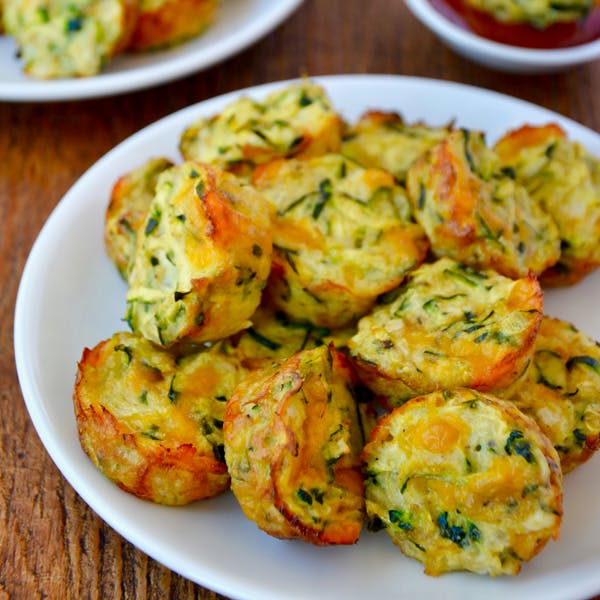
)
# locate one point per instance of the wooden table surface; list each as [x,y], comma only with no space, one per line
[51,544]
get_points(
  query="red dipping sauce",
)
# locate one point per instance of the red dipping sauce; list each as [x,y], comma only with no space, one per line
[558,35]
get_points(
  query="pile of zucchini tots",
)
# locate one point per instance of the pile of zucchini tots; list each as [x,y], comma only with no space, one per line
[78,38]
[343,323]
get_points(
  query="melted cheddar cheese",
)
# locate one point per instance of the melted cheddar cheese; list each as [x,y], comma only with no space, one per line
[292,444]
[475,213]
[203,259]
[561,390]
[564,179]
[343,235]
[463,481]
[153,424]
[447,326]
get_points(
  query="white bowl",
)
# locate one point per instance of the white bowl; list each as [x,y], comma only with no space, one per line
[501,56]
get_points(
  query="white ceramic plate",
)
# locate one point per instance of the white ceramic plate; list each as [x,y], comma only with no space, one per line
[71,296]
[239,24]
[501,56]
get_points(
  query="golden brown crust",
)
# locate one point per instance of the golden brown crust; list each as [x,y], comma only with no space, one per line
[474,213]
[448,326]
[292,440]
[463,481]
[561,391]
[204,258]
[513,142]
[168,22]
[127,211]
[152,424]
[342,235]
[565,179]
[382,139]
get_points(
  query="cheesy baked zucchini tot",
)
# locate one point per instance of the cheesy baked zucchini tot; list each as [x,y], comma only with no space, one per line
[163,23]
[561,391]
[384,140]
[69,38]
[565,179]
[476,214]
[127,211]
[463,481]
[203,259]
[153,424]
[298,120]
[342,235]
[448,326]
[292,445]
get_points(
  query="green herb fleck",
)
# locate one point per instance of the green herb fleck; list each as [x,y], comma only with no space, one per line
[421,201]
[400,519]
[325,192]
[152,432]
[468,155]
[317,494]
[579,436]
[288,255]
[42,12]
[304,496]
[375,524]
[74,24]
[151,225]
[584,360]
[261,339]
[219,452]
[517,444]
[456,532]
[179,295]
[173,394]
[126,349]
[304,99]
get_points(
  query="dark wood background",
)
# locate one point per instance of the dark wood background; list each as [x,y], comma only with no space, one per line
[51,544]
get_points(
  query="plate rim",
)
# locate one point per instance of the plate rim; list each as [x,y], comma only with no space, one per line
[31,394]
[149,75]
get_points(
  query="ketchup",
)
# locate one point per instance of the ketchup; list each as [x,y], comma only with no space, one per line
[558,35]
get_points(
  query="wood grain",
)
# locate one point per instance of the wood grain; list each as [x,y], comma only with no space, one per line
[51,544]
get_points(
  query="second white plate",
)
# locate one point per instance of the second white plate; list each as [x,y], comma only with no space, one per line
[239,24]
